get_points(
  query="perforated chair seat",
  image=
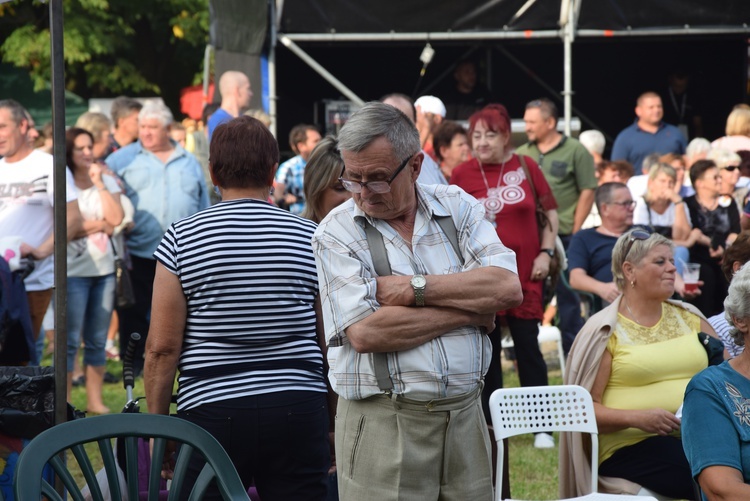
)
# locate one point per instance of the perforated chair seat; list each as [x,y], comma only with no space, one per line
[536,409]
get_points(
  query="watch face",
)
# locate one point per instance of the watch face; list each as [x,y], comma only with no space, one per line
[418,281]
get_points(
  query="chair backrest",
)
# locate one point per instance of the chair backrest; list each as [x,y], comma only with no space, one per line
[536,409]
[29,485]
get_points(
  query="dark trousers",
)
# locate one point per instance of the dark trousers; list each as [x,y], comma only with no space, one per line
[138,317]
[277,440]
[532,369]
[568,307]
[657,463]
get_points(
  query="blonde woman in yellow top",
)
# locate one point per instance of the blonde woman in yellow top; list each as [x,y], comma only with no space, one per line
[636,357]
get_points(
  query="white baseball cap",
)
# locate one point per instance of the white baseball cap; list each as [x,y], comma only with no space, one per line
[431,104]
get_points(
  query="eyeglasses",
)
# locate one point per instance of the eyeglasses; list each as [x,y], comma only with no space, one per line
[373,186]
[635,235]
[627,204]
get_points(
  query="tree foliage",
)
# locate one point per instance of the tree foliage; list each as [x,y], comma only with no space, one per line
[112,47]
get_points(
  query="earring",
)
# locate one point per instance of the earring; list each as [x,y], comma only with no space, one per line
[632,284]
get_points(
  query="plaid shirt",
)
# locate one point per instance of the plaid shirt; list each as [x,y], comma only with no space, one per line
[292,174]
[449,365]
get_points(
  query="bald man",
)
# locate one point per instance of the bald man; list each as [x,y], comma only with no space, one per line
[430,172]
[234,87]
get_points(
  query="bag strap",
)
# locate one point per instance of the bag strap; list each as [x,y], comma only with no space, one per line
[383,268]
[114,250]
[528,176]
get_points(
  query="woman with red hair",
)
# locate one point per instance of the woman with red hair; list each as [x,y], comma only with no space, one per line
[500,180]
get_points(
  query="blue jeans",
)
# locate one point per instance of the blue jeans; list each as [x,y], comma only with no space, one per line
[90,304]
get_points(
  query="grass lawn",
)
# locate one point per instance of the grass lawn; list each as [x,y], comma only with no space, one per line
[533,472]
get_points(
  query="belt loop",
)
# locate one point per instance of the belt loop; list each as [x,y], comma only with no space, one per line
[394,399]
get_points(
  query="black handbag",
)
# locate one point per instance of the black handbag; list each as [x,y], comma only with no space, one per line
[124,295]
[714,348]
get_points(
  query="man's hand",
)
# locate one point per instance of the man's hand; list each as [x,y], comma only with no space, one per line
[608,292]
[486,321]
[395,291]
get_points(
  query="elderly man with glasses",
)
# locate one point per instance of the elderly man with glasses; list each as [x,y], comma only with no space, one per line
[590,251]
[411,277]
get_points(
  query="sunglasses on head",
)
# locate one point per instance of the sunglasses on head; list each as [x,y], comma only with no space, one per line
[635,235]
[731,168]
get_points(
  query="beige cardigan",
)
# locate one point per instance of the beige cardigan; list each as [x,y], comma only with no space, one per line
[581,369]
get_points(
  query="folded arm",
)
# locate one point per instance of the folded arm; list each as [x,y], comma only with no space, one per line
[483,290]
[399,328]
[580,280]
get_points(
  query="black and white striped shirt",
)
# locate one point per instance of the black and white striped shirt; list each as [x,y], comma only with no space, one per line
[248,272]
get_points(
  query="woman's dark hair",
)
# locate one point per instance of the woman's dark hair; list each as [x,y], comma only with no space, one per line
[243,154]
[699,168]
[444,134]
[739,251]
[70,140]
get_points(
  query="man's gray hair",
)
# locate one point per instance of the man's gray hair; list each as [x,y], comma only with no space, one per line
[122,107]
[375,120]
[736,304]
[158,110]
[696,146]
[603,194]
[593,140]
[17,112]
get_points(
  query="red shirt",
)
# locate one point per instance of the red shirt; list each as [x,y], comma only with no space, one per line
[511,206]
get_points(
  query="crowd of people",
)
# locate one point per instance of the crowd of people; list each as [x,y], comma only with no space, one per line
[340,314]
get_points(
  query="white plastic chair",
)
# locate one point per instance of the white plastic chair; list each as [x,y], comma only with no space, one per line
[534,409]
[547,333]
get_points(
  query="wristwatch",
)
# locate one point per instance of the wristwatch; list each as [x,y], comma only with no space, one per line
[549,252]
[418,283]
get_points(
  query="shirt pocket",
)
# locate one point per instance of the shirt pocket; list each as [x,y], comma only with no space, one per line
[559,169]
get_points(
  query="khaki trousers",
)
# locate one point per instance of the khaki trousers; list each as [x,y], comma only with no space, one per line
[391,448]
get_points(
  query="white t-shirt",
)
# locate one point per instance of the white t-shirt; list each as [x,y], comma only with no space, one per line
[91,256]
[641,214]
[26,208]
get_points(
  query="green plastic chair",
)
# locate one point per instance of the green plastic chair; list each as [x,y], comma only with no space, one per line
[46,447]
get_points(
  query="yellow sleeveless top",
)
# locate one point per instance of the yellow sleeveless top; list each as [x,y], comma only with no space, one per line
[651,367]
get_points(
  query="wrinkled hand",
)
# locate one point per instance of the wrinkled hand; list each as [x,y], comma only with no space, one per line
[485,321]
[168,461]
[394,291]
[679,288]
[608,292]
[540,268]
[658,421]
[95,172]
[716,253]
[26,250]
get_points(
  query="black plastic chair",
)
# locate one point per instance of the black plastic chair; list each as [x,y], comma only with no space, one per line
[28,483]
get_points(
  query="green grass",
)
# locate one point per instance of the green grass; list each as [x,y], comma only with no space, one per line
[533,472]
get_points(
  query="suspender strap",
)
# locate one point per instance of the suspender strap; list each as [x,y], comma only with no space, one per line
[383,268]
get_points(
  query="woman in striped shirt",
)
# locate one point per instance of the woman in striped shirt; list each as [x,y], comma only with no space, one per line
[234,309]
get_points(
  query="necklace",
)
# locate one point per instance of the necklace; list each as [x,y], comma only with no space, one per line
[493,204]
[631,311]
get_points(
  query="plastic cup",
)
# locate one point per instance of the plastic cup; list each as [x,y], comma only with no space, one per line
[690,275]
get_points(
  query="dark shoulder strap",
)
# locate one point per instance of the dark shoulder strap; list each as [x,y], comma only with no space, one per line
[528,176]
[377,250]
[446,224]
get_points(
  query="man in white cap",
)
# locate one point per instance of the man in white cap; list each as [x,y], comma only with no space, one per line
[430,113]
